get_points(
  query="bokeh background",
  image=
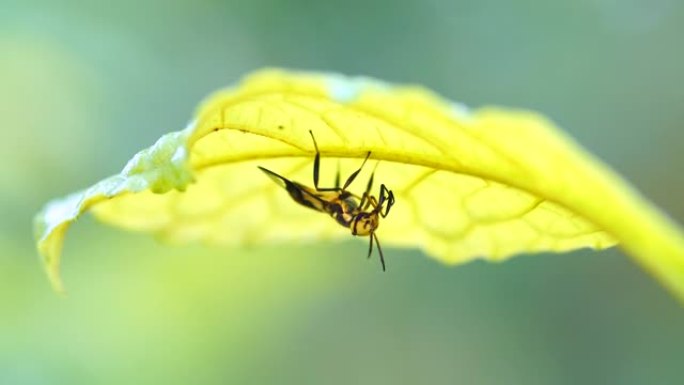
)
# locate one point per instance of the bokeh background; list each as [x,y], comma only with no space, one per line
[85,86]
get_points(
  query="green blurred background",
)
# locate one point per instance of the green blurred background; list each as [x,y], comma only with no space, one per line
[83,87]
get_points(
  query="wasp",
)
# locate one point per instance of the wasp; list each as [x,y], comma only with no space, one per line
[359,214]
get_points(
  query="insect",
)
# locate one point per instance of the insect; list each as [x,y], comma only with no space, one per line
[359,214]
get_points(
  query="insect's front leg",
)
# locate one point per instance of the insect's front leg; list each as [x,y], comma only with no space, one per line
[385,195]
[366,195]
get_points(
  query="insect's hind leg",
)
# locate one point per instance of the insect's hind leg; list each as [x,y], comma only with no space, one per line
[317,161]
[317,166]
[355,173]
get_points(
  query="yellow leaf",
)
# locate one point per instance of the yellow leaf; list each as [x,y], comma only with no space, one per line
[487,183]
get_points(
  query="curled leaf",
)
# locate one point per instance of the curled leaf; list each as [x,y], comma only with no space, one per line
[487,183]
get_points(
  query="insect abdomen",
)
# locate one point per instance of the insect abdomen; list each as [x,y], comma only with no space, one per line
[300,195]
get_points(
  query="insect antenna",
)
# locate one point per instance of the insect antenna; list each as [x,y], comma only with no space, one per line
[370,247]
[377,242]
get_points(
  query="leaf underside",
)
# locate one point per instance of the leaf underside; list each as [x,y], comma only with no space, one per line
[487,183]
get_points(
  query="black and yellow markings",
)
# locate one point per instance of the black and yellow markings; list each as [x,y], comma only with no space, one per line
[359,214]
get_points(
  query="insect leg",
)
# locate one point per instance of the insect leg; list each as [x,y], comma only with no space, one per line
[366,194]
[337,176]
[385,195]
[317,161]
[355,173]
[382,257]
[370,202]
[370,183]
[390,202]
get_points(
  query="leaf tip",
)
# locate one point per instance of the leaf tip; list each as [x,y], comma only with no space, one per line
[50,226]
[50,249]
